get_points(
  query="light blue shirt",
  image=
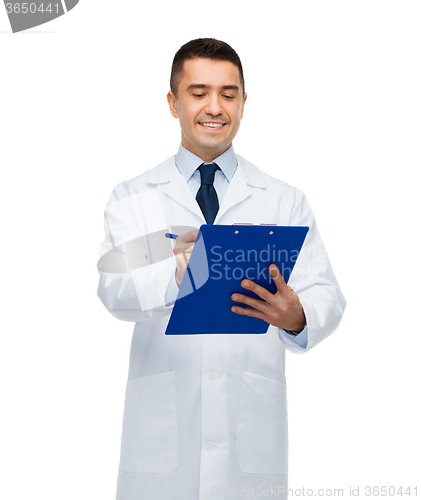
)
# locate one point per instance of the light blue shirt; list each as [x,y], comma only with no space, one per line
[188,163]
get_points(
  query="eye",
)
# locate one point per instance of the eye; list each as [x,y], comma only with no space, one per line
[198,95]
[228,96]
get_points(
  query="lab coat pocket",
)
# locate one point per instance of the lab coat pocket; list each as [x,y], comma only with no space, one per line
[149,438]
[262,432]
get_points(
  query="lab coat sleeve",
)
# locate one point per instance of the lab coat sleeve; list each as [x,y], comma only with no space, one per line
[315,283]
[301,338]
[171,291]
[134,294]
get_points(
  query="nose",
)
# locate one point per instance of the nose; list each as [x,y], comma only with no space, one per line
[213,105]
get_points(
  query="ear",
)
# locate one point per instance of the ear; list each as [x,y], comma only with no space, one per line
[244,101]
[172,103]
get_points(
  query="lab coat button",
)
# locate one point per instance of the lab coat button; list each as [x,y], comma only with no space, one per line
[211,376]
[209,445]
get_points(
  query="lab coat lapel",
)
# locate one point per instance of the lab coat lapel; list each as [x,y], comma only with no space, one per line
[177,187]
[239,189]
[179,191]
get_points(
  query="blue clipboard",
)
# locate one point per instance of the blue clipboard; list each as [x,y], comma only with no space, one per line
[222,257]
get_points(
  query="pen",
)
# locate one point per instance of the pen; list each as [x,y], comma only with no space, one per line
[172,236]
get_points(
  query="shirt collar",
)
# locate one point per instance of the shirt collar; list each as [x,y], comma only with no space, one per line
[187,162]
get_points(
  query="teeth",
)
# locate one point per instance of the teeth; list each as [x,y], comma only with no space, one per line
[212,124]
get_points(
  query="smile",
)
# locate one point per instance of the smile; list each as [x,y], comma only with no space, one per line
[212,124]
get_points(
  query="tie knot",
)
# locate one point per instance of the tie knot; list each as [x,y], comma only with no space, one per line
[207,173]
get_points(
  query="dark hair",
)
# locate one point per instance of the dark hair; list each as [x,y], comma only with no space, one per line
[207,48]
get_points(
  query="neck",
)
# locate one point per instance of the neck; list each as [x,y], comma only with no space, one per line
[206,156]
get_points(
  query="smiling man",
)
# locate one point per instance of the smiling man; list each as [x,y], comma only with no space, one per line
[205,415]
[208,97]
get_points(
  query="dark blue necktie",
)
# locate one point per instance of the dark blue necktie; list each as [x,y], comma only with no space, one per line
[206,196]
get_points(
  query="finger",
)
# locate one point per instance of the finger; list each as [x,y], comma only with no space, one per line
[259,290]
[182,261]
[182,247]
[257,304]
[249,312]
[277,277]
[189,237]
[186,258]
[185,242]
[292,291]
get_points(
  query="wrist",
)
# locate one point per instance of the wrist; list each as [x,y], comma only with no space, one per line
[294,332]
[297,330]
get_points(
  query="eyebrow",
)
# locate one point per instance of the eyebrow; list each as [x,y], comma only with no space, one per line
[203,86]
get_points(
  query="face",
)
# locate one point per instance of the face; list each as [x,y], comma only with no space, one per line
[209,105]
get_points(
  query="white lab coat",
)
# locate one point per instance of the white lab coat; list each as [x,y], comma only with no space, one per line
[206,415]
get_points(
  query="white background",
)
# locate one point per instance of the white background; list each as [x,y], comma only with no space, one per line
[333,107]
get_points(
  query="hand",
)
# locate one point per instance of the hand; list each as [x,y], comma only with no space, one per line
[182,250]
[282,309]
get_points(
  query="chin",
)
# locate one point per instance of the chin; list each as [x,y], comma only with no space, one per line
[217,145]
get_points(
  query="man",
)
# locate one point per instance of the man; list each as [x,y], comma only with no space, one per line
[205,415]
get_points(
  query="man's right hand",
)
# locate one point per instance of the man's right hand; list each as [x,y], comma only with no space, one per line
[182,250]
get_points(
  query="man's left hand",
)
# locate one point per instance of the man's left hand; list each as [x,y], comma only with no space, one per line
[282,309]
